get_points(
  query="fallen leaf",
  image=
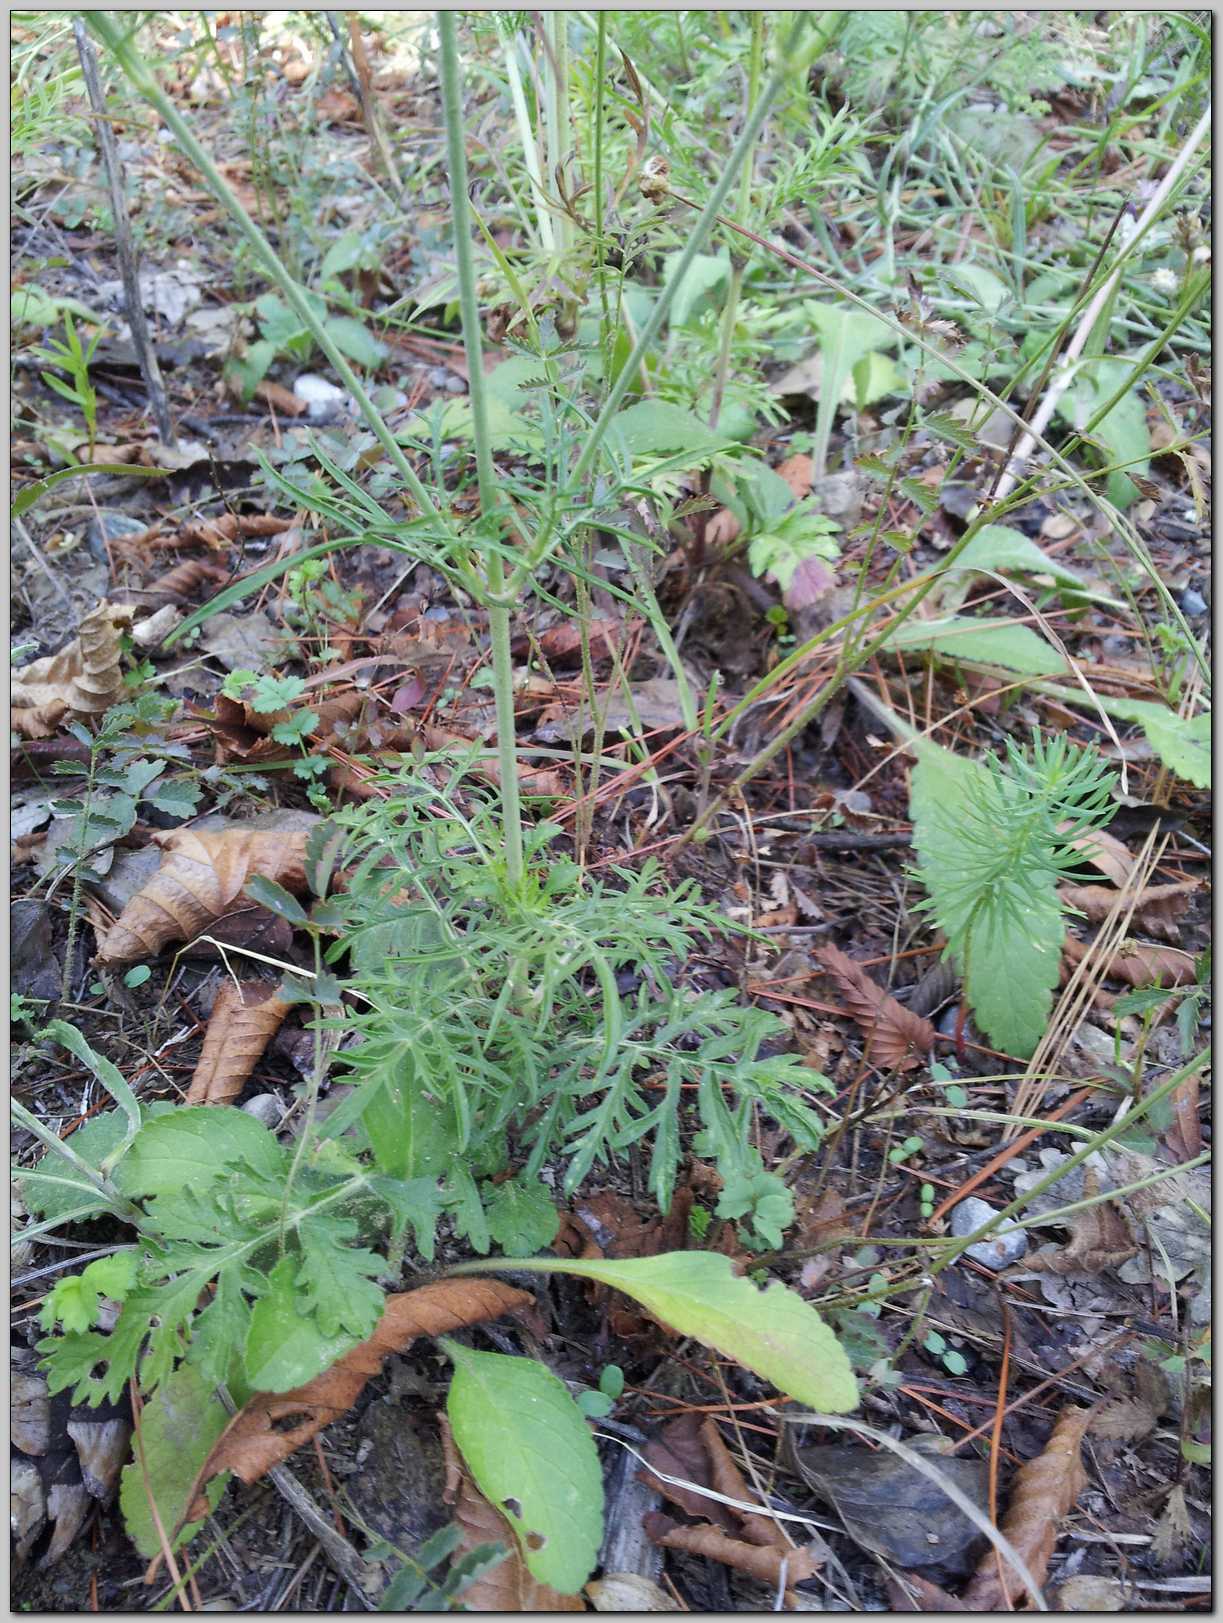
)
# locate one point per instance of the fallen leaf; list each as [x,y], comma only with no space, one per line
[679,1451]
[184,579]
[200,878]
[244,1019]
[812,580]
[274,1425]
[1172,1528]
[727,1479]
[1104,851]
[896,1039]
[797,471]
[1137,964]
[627,1592]
[82,681]
[1099,1238]
[533,780]
[1044,1489]
[1157,909]
[507,1587]
[769,1566]
[282,399]
[219,532]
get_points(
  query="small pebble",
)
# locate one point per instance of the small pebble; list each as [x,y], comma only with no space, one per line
[1192,602]
[265,1107]
[1005,1245]
[454,384]
[324,399]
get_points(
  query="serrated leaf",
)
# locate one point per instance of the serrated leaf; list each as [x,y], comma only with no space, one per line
[335,1280]
[1182,743]
[192,1148]
[983,642]
[521,1216]
[74,1300]
[285,1348]
[773,1332]
[531,1454]
[178,1426]
[417,1201]
[657,426]
[176,797]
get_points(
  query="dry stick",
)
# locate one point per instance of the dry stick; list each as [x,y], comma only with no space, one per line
[1074,349]
[123,238]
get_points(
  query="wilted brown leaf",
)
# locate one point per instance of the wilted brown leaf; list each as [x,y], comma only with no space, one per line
[1104,851]
[679,1451]
[765,1564]
[533,780]
[244,1019]
[80,682]
[1173,1526]
[219,532]
[1157,909]
[274,1425]
[1099,1238]
[280,399]
[1044,1489]
[895,1037]
[728,1479]
[184,579]
[200,878]
[1137,964]
[509,1586]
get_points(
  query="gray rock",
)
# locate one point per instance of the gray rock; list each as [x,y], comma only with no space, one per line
[1005,1245]
[265,1107]
[324,399]
[1192,602]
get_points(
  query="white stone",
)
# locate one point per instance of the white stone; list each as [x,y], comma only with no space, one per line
[1004,1245]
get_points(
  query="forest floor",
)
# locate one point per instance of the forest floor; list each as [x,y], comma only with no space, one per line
[1105,1309]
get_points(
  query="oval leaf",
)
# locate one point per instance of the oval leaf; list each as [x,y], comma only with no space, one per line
[773,1332]
[532,1456]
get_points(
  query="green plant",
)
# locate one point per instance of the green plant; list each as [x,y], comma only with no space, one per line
[993,838]
[410,1590]
[953,1362]
[71,356]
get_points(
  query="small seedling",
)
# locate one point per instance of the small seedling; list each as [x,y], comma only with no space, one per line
[71,356]
[927,1201]
[899,1153]
[595,1404]
[953,1362]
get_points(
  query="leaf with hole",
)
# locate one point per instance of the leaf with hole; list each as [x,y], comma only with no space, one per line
[530,1451]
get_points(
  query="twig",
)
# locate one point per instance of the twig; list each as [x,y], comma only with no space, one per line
[1074,349]
[123,237]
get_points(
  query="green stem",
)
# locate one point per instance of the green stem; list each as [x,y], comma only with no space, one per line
[697,240]
[739,264]
[119,45]
[490,500]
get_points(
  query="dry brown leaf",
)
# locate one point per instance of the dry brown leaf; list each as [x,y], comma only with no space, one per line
[895,1037]
[509,1586]
[1137,964]
[1104,851]
[244,1019]
[797,471]
[1044,1489]
[533,780]
[727,1479]
[282,399]
[200,878]
[1157,910]
[1125,1420]
[219,532]
[82,681]
[679,1451]
[757,1561]
[1172,1528]
[184,579]
[1099,1238]
[274,1425]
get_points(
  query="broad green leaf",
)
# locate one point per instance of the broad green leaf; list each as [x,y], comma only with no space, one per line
[54,1188]
[981,642]
[997,546]
[706,273]
[191,1148]
[873,377]
[773,1332]
[531,1454]
[284,1346]
[990,291]
[522,1217]
[1123,432]
[657,426]
[1182,743]
[353,339]
[178,1426]
[32,307]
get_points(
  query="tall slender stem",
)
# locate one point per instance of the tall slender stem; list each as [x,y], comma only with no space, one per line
[700,235]
[738,257]
[490,498]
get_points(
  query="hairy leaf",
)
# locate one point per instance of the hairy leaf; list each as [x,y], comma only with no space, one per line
[178,1426]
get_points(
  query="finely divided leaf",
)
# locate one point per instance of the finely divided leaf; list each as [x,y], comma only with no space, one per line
[530,1451]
